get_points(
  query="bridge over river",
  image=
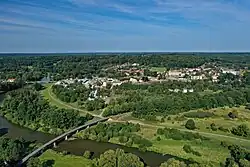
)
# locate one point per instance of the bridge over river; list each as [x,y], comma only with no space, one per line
[59,138]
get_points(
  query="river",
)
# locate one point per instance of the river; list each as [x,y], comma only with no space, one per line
[78,146]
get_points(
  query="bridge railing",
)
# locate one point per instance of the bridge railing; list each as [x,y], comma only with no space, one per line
[46,145]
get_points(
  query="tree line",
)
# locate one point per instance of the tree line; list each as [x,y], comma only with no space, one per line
[27,107]
[123,131]
[145,105]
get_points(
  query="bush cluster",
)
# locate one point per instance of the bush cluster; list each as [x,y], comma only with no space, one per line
[176,134]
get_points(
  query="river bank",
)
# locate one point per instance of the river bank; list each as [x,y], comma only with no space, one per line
[78,146]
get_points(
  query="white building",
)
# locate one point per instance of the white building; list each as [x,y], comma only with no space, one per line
[133,80]
[184,91]
[197,77]
[174,73]
[191,90]
[230,71]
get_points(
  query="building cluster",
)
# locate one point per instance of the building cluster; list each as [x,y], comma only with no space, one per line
[200,73]
[93,83]
[10,80]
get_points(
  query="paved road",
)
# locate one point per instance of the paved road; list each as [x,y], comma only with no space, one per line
[38,150]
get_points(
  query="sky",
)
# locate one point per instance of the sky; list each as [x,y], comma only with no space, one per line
[124,26]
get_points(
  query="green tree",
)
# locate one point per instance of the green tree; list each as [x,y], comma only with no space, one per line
[34,162]
[190,124]
[119,158]
[173,163]
[87,154]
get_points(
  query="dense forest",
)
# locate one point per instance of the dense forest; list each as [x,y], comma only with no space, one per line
[12,150]
[27,107]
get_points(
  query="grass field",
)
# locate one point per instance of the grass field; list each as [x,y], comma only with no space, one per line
[158,69]
[47,95]
[211,151]
[65,160]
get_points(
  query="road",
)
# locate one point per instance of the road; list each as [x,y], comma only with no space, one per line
[69,106]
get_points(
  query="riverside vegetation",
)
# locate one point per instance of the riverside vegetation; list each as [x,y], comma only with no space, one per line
[206,127]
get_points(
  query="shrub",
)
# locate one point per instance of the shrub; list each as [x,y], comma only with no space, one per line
[241,130]
[221,128]
[123,139]
[188,149]
[247,106]
[233,114]
[199,114]
[87,154]
[213,127]
[190,124]
[224,144]
[179,135]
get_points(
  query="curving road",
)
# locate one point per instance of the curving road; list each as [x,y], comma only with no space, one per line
[40,149]
[69,106]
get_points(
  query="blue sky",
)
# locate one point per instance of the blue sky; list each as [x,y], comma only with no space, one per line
[124,25]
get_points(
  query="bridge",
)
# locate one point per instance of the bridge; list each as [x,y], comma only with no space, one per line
[59,138]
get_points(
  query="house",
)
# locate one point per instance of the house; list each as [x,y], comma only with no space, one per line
[197,77]
[230,71]
[191,90]
[215,78]
[135,64]
[11,80]
[184,91]
[133,80]
[174,73]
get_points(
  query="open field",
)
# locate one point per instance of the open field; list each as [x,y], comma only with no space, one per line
[158,69]
[212,152]
[65,160]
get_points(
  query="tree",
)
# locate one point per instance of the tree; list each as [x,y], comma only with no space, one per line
[34,162]
[38,86]
[87,154]
[173,163]
[237,153]
[241,130]
[244,163]
[107,159]
[190,124]
[213,126]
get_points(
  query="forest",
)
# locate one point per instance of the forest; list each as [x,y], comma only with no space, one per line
[27,107]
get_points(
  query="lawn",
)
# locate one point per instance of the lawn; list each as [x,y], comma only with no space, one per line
[158,69]
[65,160]
[213,153]
[47,95]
